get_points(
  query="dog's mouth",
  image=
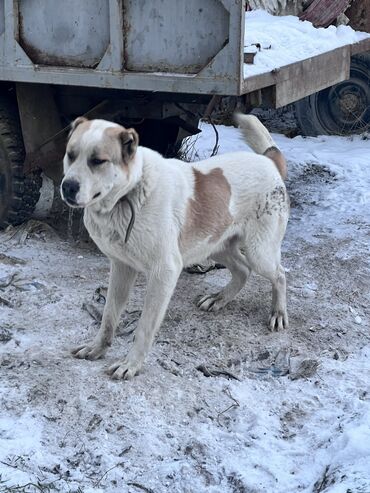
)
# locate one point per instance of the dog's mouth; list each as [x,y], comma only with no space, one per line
[74,204]
[71,202]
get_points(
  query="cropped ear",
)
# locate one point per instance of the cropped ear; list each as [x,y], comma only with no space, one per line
[75,124]
[129,141]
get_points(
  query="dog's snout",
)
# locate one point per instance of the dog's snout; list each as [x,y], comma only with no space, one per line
[70,189]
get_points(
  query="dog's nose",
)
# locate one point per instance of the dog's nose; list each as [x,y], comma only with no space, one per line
[70,189]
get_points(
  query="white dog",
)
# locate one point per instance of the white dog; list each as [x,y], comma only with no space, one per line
[155,215]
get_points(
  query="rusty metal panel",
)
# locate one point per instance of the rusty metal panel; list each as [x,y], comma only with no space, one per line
[113,57]
[53,42]
[128,81]
[177,37]
[193,46]
[68,33]
[2,32]
[2,17]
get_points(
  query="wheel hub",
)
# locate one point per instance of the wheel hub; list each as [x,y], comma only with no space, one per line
[347,104]
[341,109]
[350,104]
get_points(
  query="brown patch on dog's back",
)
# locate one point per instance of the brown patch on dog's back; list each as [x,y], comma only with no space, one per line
[207,213]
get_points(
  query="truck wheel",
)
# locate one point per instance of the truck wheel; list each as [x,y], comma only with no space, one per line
[18,193]
[342,109]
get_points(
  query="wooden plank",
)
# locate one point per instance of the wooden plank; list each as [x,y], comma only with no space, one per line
[256,82]
[299,80]
[360,47]
[260,81]
[359,15]
[323,12]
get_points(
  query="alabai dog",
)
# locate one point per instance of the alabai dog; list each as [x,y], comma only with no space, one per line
[155,215]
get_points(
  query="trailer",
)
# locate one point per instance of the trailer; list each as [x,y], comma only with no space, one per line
[159,66]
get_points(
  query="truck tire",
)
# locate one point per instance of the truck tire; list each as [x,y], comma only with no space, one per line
[341,109]
[18,193]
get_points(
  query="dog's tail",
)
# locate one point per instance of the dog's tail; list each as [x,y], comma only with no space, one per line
[260,140]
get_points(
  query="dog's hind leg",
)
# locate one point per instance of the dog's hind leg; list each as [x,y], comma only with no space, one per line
[279,316]
[266,262]
[121,279]
[235,261]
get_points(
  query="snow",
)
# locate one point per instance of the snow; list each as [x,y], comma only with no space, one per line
[64,423]
[290,39]
[346,159]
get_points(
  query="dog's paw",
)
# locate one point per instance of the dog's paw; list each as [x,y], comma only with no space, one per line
[89,351]
[278,321]
[212,302]
[124,370]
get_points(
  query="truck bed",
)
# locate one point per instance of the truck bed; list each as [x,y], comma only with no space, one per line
[192,47]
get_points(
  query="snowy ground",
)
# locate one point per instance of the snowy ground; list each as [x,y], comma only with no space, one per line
[281,413]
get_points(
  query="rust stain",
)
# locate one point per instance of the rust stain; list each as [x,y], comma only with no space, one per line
[207,214]
[40,57]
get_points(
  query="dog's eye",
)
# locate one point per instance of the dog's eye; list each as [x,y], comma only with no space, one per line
[97,162]
[71,156]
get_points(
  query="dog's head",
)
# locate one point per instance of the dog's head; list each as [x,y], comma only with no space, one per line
[99,162]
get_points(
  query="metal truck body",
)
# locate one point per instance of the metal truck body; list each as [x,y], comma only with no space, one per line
[157,65]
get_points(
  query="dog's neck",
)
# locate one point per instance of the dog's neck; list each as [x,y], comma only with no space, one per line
[116,195]
[145,181]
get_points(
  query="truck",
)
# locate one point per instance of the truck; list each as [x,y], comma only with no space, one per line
[159,66]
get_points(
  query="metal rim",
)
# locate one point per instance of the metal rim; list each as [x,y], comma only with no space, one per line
[344,108]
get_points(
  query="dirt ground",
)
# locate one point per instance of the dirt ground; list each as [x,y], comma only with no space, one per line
[222,404]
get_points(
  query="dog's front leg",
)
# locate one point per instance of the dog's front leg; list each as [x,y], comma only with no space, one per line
[161,284]
[121,279]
